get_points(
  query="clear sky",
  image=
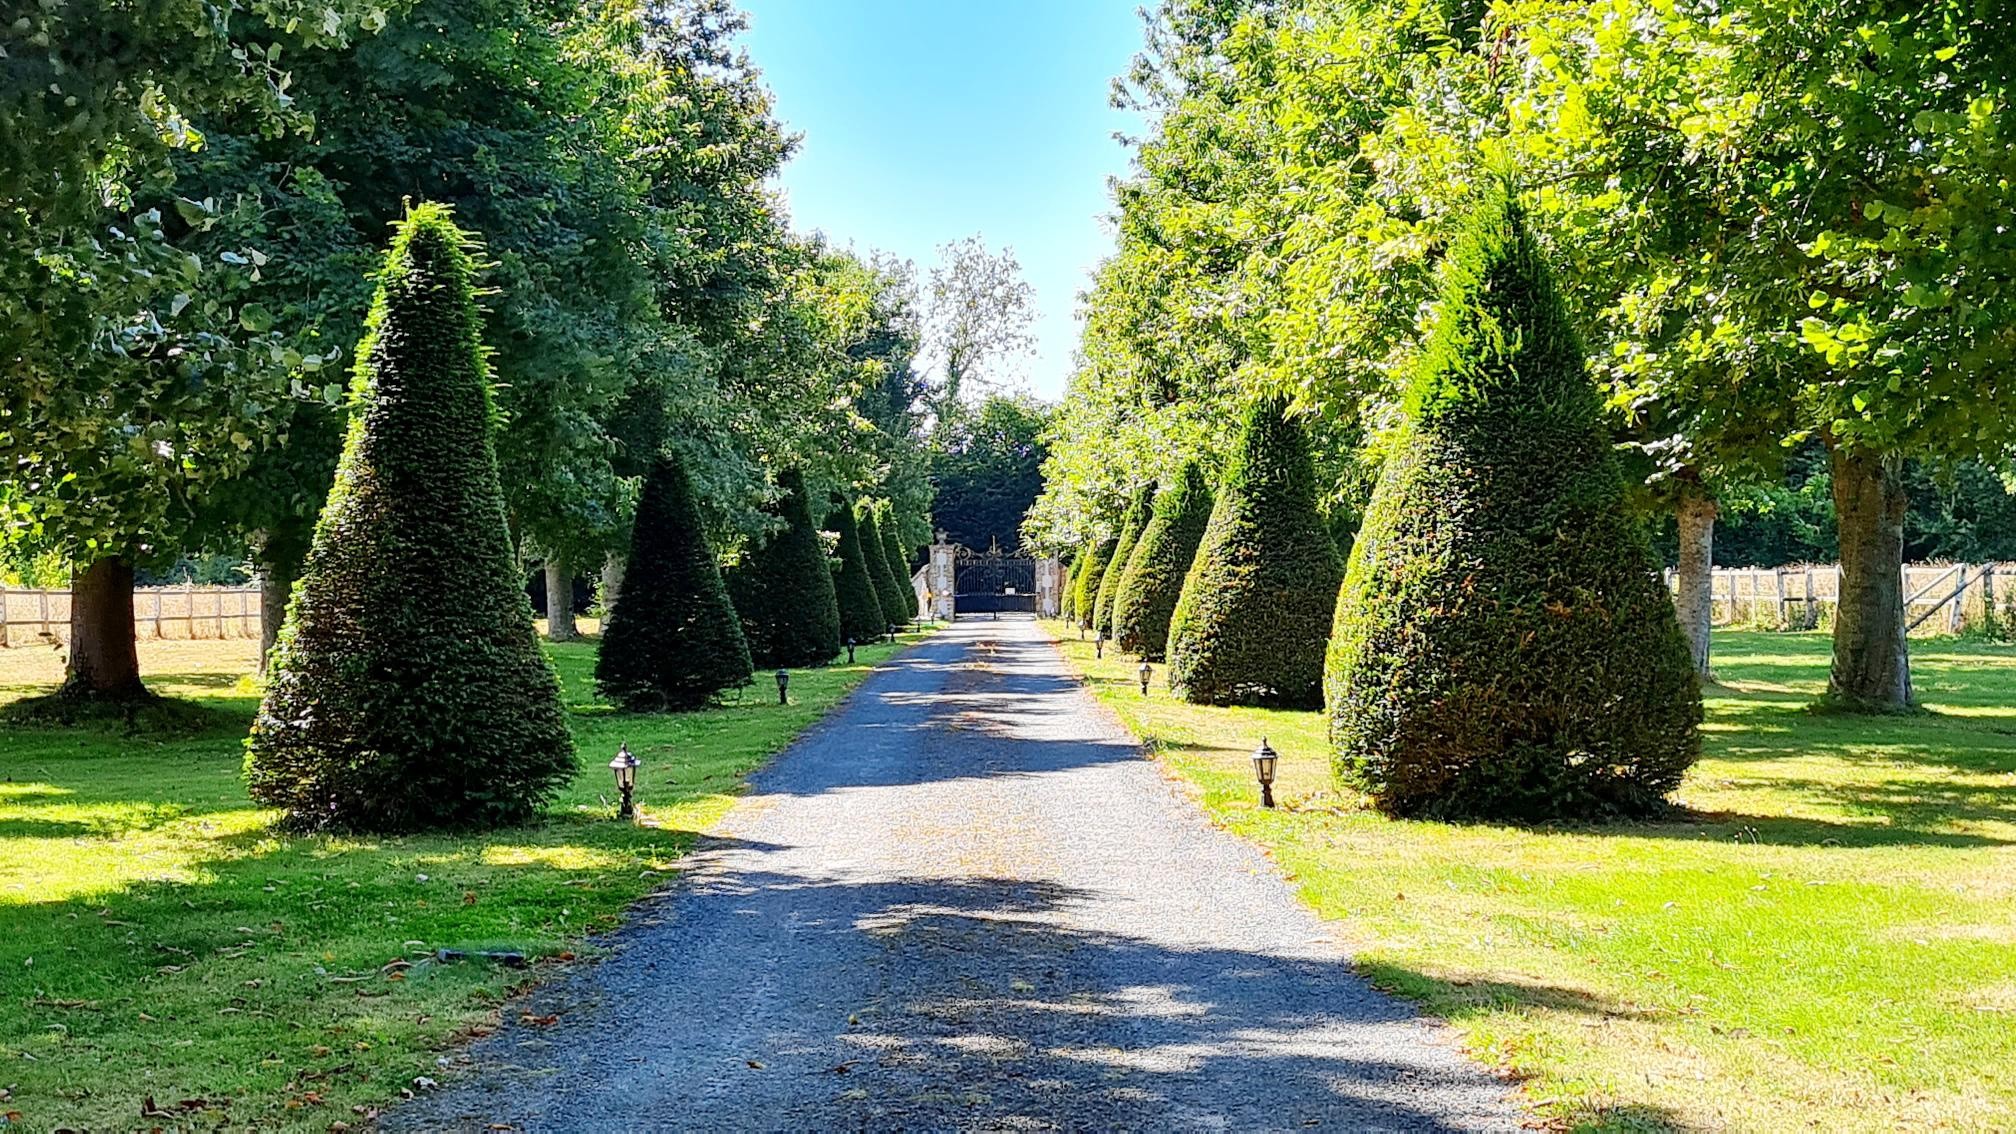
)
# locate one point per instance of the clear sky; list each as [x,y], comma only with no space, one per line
[927,120]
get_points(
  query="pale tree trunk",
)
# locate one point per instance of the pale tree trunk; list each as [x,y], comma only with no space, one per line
[612,583]
[559,602]
[104,661]
[1872,663]
[1695,602]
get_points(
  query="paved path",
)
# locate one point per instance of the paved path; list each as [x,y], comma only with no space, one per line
[966,902]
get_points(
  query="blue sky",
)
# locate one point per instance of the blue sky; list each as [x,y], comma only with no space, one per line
[925,122]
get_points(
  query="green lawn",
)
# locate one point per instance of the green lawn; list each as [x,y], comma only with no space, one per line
[162,942]
[1826,940]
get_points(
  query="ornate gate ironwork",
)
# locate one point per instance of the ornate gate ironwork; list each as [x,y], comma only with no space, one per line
[991,582]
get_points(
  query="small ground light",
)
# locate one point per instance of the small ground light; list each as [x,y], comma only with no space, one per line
[1099,645]
[625,767]
[1264,759]
[1147,672]
[783,686]
[850,651]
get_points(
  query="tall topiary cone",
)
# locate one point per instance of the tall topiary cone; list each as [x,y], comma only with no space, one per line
[1250,624]
[903,604]
[407,690]
[1085,592]
[1067,598]
[860,610]
[870,533]
[1503,645]
[673,640]
[1131,526]
[783,590]
[1146,597]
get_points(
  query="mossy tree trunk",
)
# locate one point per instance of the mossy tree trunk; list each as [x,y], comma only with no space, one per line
[1872,662]
[560,601]
[612,582]
[104,662]
[1695,602]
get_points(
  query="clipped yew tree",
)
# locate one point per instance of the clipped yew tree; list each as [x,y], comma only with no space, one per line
[783,589]
[673,640]
[903,604]
[1503,646]
[860,610]
[869,528]
[1131,526]
[407,690]
[1147,594]
[1067,598]
[1085,591]
[1250,624]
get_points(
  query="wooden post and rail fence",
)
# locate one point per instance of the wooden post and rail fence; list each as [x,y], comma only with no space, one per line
[31,617]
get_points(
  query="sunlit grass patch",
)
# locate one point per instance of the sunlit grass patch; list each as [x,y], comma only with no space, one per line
[1818,939]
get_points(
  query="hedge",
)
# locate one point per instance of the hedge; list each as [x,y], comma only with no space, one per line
[861,617]
[1146,597]
[783,589]
[1132,523]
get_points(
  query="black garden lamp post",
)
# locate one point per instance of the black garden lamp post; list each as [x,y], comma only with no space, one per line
[1099,645]
[1264,759]
[625,767]
[1147,672]
[783,686]
[850,651]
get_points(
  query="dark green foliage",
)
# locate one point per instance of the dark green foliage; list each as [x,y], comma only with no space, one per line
[783,590]
[1250,624]
[1153,581]
[407,690]
[986,470]
[1503,646]
[887,596]
[860,610]
[673,640]
[902,606]
[1085,592]
[1131,526]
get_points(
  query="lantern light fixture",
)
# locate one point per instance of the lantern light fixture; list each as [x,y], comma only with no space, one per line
[625,768]
[1147,673]
[1264,761]
[783,686]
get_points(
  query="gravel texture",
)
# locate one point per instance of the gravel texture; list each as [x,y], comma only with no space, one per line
[965,901]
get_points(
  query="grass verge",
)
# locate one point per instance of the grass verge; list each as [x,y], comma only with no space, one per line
[1826,939]
[169,960]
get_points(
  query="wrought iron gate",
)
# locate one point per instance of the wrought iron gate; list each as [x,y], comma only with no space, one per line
[990,582]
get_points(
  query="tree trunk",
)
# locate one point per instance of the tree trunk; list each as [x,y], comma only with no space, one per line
[1695,604]
[1872,663]
[104,661]
[612,583]
[559,602]
[276,586]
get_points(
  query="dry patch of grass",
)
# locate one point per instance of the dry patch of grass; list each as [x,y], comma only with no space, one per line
[1821,941]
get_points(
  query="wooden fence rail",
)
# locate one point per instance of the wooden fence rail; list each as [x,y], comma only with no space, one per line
[1939,597]
[42,617]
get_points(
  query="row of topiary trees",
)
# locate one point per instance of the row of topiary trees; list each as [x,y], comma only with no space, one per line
[1500,645]
[407,689]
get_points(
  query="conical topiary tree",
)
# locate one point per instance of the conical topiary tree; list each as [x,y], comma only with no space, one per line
[407,689]
[1067,599]
[1131,526]
[1146,597]
[860,610]
[1250,624]
[903,607]
[783,589]
[1503,645]
[673,640]
[1085,592]
[870,532]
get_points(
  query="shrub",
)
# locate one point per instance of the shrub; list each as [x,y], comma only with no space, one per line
[407,689]
[869,529]
[860,610]
[783,590]
[1131,526]
[904,606]
[673,640]
[1085,592]
[1153,581]
[1503,644]
[1067,598]
[1250,624]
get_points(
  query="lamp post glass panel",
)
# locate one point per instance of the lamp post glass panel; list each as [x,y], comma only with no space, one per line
[625,768]
[783,686]
[1264,759]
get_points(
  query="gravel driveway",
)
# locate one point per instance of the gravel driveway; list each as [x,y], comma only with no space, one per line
[965,901]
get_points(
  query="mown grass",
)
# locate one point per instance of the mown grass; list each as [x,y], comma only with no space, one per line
[1825,939]
[169,960]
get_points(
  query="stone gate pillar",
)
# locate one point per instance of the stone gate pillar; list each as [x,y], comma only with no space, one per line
[1049,587]
[940,579]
